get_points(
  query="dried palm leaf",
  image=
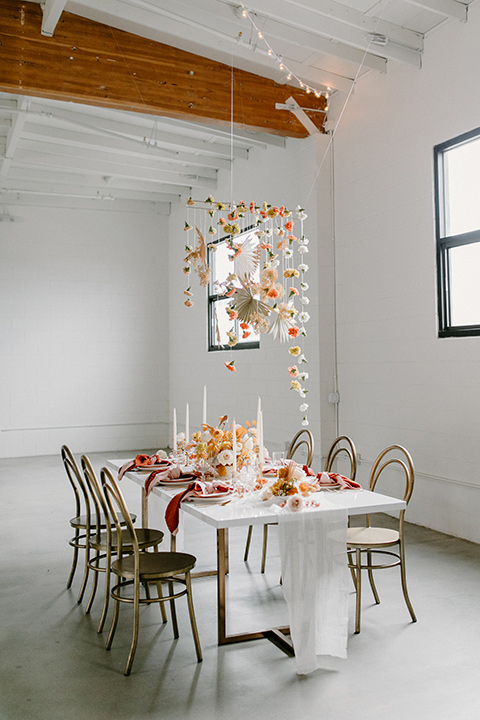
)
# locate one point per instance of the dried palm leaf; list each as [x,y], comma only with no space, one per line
[280,327]
[202,250]
[248,306]
[248,258]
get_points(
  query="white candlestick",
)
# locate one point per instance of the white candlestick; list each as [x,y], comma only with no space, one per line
[261,457]
[234,445]
[204,416]
[259,411]
[187,423]
[174,429]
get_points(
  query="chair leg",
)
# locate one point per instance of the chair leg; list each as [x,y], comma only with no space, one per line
[404,584]
[172,610]
[247,544]
[136,621]
[358,587]
[96,562]
[162,605]
[85,574]
[116,609]
[372,581]
[264,549]
[74,561]
[106,596]
[193,622]
[147,591]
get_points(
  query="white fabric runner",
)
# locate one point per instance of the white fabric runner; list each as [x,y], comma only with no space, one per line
[315,582]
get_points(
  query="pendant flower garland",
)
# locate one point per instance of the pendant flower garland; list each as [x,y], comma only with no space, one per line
[266,286]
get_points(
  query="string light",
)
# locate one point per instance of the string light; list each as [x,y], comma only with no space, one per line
[270,52]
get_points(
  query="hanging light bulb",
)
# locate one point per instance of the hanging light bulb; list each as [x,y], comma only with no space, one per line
[244,13]
[260,34]
[270,52]
[308,91]
[281,66]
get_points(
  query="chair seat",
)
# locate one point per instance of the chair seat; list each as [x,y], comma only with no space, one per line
[154,566]
[80,521]
[371,537]
[147,537]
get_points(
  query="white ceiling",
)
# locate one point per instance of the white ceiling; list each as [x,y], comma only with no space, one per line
[70,154]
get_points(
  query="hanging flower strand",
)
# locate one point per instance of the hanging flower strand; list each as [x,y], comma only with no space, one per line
[266,288]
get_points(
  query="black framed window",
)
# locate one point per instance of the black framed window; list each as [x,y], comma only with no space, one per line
[223,328]
[457,226]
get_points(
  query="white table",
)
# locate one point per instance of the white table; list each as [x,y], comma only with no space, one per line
[235,514]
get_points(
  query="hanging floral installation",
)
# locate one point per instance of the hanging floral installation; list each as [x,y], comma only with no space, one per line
[266,286]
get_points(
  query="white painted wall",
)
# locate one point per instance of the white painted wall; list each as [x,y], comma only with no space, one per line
[280,177]
[84,330]
[399,382]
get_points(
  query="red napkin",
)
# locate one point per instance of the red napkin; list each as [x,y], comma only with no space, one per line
[171,473]
[344,482]
[172,513]
[142,461]
[308,471]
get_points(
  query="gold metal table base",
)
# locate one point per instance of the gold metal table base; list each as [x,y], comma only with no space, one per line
[278,636]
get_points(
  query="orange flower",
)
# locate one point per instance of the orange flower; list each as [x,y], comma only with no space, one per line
[245,335]
[188,303]
[292,238]
[289,225]
[221,221]
[294,332]
[293,291]
[244,325]
[293,371]
[231,366]
[273,293]
[281,244]
[233,215]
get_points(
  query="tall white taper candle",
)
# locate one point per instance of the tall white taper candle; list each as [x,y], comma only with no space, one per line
[204,415]
[187,424]
[234,445]
[174,429]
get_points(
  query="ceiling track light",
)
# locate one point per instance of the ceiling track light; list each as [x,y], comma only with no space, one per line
[377,39]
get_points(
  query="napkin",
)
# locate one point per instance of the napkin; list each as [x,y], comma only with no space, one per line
[198,488]
[142,461]
[326,479]
[171,473]
[315,582]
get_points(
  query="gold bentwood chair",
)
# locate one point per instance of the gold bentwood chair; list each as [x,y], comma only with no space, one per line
[363,542]
[297,443]
[343,445]
[103,542]
[85,520]
[137,568]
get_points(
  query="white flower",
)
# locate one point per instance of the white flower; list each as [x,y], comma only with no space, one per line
[302,359]
[303,267]
[161,454]
[305,422]
[304,407]
[268,231]
[302,249]
[304,376]
[303,240]
[266,494]
[295,502]
[303,331]
[225,457]
[288,253]
[248,444]
[303,394]
[180,437]
[275,263]
[305,300]
[299,474]
[304,317]
[304,285]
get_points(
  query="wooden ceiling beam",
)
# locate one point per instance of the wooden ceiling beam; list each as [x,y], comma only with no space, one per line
[92,63]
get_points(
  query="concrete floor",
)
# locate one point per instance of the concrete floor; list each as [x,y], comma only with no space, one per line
[54,666]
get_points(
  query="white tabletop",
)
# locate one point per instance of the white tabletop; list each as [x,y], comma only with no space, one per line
[242,512]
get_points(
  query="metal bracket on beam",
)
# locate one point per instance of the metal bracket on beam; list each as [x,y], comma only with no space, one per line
[299,113]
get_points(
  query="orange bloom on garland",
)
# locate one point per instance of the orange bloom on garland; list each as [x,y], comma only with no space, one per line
[231,366]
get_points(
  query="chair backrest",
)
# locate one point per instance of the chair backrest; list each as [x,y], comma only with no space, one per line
[394,455]
[117,512]
[297,443]
[76,481]
[343,445]
[96,496]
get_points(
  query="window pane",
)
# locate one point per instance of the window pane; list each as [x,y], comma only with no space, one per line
[223,266]
[462,188]
[221,322]
[464,285]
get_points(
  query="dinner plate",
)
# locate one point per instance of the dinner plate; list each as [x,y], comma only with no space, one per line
[210,498]
[152,468]
[336,486]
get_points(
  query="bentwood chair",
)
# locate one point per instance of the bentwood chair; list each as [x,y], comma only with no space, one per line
[137,568]
[103,542]
[84,521]
[342,446]
[364,544]
[297,443]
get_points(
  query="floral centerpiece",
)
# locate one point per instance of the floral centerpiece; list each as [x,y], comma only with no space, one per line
[292,487]
[215,451]
[266,287]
